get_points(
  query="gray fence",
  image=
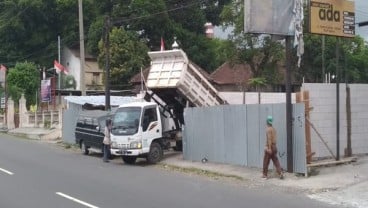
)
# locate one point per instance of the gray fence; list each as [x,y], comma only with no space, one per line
[235,134]
[70,117]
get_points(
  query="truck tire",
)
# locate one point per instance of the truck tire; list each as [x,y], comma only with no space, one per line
[155,154]
[84,148]
[129,159]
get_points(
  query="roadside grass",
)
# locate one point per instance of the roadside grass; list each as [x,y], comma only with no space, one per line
[200,172]
[66,145]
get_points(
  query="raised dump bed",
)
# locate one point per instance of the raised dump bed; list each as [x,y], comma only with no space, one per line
[176,80]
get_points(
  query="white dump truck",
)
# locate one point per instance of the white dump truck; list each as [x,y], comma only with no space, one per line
[147,128]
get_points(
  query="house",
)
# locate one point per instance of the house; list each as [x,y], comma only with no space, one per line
[93,75]
[231,77]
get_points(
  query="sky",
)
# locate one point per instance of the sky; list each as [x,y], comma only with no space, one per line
[361,14]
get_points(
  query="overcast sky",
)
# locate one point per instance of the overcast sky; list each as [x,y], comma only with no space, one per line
[361,14]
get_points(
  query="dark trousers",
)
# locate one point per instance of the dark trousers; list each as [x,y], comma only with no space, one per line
[106,152]
[266,161]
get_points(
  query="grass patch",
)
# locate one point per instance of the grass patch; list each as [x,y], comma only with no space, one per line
[67,145]
[200,172]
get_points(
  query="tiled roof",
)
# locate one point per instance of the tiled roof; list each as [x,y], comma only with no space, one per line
[231,74]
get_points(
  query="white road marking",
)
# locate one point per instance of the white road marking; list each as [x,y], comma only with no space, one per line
[76,200]
[6,171]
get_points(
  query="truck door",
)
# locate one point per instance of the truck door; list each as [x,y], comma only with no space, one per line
[151,127]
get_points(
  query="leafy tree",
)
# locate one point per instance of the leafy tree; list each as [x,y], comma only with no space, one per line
[23,78]
[258,83]
[213,8]
[176,19]
[69,82]
[95,34]
[29,28]
[188,14]
[128,55]
[259,51]
[353,63]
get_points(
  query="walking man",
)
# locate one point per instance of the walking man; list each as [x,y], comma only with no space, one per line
[107,141]
[270,152]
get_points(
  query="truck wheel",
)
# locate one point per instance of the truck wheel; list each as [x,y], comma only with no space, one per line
[129,159]
[84,148]
[155,154]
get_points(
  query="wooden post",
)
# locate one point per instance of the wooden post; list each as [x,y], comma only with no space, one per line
[308,141]
[303,96]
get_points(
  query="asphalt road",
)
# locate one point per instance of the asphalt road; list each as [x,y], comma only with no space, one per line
[34,174]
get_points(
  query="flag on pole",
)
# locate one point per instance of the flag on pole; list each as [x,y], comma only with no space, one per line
[60,68]
[2,73]
[3,68]
[162,44]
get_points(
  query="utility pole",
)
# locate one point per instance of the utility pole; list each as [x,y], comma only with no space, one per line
[289,109]
[59,76]
[323,58]
[337,99]
[81,46]
[107,63]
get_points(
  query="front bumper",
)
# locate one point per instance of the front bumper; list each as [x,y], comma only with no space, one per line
[126,152]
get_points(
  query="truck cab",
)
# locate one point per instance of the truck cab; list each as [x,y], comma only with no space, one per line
[139,131]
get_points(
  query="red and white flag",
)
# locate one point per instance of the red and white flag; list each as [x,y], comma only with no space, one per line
[162,44]
[3,68]
[60,68]
[2,73]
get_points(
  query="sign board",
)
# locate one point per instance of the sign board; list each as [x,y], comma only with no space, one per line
[269,17]
[45,90]
[332,17]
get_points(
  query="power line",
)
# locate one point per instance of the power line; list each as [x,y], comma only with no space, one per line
[157,13]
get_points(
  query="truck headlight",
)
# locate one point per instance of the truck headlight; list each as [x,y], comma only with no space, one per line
[114,144]
[136,145]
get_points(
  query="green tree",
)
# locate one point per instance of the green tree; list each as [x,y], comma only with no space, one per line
[23,78]
[188,14]
[128,55]
[213,8]
[153,20]
[353,62]
[259,51]
[29,28]
[258,83]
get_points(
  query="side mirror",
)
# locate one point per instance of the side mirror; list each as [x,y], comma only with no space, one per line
[136,122]
[97,128]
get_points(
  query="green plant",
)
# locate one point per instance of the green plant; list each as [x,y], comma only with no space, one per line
[47,124]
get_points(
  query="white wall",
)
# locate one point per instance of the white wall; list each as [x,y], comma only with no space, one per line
[323,117]
[252,97]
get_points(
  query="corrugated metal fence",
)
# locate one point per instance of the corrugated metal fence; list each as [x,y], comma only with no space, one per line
[70,117]
[235,134]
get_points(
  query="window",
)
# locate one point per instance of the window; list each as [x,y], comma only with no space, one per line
[95,78]
[126,121]
[149,116]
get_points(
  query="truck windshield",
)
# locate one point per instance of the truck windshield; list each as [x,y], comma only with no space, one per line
[126,121]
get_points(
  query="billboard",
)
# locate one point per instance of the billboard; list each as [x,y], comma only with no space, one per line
[45,90]
[332,17]
[269,17]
